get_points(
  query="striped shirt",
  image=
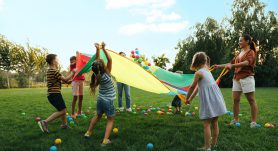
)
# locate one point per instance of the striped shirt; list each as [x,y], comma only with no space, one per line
[54,82]
[106,87]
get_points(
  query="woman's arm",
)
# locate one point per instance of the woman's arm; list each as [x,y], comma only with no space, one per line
[97,51]
[237,65]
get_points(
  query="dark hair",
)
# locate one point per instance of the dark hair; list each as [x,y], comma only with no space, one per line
[98,68]
[50,58]
[72,58]
[250,42]
[122,53]
[200,58]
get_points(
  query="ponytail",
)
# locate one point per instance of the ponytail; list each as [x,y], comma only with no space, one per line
[251,43]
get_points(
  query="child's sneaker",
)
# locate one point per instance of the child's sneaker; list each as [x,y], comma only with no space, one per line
[233,122]
[88,134]
[105,142]
[43,126]
[214,148]
[253,125]
[74,115]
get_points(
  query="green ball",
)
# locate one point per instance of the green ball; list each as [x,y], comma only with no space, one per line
[71,123]
[122,111]
[134,112]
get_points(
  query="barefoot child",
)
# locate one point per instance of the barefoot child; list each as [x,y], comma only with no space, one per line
[77,89]
[54,82]
[211,101]
[101,77]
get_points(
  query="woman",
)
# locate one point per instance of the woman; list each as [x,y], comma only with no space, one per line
[243,81]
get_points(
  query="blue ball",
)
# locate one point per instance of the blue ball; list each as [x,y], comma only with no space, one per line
[150,146]
[68,116]
[53,148]
[70,119]
[137,52]
[238,124]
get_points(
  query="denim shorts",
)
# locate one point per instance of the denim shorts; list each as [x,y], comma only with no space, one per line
[105,106]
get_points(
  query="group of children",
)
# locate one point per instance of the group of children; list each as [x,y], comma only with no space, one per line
[211,104]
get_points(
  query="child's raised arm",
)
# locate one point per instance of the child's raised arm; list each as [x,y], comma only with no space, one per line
[109,60]
[97,51]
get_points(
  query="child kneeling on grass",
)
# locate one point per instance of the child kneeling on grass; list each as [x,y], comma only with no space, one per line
[211,101]
[105,101]
[54,83]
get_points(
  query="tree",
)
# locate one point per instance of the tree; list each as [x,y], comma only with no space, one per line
[7,62]
[161,61]
[220,41]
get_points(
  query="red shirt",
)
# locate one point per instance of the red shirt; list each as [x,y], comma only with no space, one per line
[81,77]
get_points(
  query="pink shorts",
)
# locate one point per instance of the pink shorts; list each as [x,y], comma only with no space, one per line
[77,87]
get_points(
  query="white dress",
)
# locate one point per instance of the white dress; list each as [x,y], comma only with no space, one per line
[211,101]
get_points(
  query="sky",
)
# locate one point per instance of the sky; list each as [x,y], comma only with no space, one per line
[67,26]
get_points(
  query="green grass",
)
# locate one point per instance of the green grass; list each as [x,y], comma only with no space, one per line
[167,132]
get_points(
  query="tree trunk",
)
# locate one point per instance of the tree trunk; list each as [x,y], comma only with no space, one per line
[8,79]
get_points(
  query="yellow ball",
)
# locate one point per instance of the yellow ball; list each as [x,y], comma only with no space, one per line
[267,125]
[196,108]
[58,141]
[170,107]
[115,130]
[134,106]
[67,114]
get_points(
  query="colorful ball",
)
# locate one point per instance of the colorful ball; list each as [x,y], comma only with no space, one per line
[146,114]
[133,56]
[53,148]
[70,119]
[137,52]
[58,141]
[134,105]
[196,108]
[150,146]
[238,124]
[38,119]
[193,113]
[71,123]
[115,131]
[267,125]
[132,52]
[149,64]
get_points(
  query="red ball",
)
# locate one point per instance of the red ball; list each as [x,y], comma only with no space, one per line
[38,119]
[149,64]
[133,56]
[146,114]
[137,57]
[132,52]
[193,113]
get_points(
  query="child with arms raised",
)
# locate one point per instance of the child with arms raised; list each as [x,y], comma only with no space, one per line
[105,101]
[211,101]
[54,83]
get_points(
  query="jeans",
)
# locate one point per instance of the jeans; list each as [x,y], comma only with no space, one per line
[120,87]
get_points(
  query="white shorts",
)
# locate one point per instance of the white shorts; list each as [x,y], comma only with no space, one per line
[245,85]
[77,87]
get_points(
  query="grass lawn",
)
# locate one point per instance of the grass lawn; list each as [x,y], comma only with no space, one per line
[167,132]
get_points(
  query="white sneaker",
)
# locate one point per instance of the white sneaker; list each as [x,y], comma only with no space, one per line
[129,110]
[121,108]
[253,124]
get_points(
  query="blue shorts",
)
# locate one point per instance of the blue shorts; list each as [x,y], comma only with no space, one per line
[105,106]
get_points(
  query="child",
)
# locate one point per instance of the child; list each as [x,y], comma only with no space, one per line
[211,101]
[77,89]
[101,77]
[177,99]
[54,83]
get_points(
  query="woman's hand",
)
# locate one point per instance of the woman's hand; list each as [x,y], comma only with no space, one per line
[217,66]
[103,45]
[228,66]
[188,101]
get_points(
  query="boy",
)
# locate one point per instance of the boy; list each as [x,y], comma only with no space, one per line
[77,89]
[54,83]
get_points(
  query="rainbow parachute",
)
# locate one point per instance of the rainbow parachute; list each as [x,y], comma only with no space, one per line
[151,79]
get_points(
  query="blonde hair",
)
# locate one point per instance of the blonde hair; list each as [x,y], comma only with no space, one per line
[199,59]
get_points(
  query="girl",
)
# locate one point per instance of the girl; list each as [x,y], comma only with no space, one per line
[244,81]
[211,101]
[101,77]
